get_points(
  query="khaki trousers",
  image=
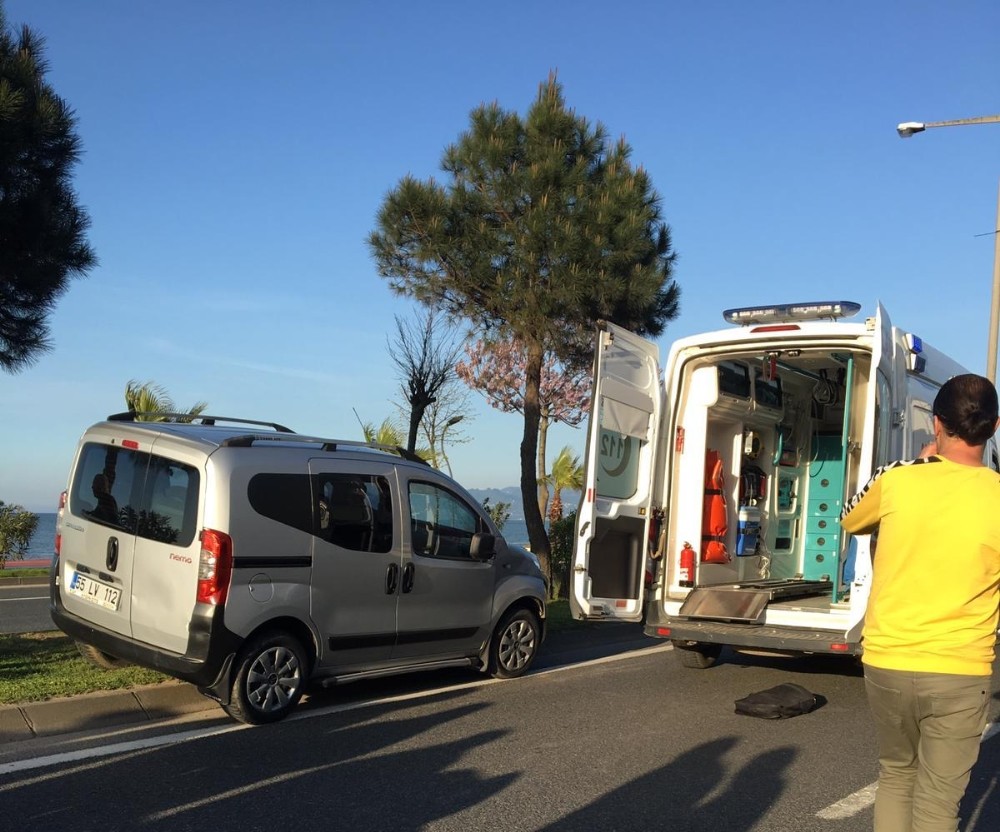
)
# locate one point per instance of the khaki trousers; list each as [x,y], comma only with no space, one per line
[928,727]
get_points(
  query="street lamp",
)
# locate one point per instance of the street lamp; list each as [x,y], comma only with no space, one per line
[454,420]
[907,129]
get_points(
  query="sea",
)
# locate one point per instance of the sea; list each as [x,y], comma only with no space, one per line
[43,540]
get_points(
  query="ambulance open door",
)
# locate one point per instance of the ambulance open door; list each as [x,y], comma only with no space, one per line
[879,442]
[613,523]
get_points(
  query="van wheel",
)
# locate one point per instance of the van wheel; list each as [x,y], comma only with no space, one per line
[270,677]
[98,658]
[699,655]
[514,644]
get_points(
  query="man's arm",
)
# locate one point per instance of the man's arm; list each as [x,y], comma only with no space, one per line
[862,513]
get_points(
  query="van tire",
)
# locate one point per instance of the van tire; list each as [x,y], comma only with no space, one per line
[271,673]
[514,644]
[699,655]
[98,658]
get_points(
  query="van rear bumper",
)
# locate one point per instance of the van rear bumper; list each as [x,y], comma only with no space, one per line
[210,646]
[688,632]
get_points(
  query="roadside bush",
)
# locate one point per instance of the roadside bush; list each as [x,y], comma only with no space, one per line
[561,535]
[16,528]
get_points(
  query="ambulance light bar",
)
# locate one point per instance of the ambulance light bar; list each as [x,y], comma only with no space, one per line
[792,312]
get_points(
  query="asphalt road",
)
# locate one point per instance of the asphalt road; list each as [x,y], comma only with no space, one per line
[630,742]
[25,609]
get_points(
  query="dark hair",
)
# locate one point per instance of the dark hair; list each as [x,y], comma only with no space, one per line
[967,408]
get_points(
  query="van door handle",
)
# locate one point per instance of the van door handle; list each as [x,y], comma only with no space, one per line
[408,577]
[112,554]
[391,576]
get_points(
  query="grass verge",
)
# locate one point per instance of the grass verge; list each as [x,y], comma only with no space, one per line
[37,666]
[8,574]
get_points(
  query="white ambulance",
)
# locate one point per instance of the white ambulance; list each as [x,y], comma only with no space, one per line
[713,494]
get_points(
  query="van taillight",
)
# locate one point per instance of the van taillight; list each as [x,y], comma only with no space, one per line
[57,545]
[215,566]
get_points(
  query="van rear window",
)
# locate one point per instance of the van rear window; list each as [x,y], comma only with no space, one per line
[151,496]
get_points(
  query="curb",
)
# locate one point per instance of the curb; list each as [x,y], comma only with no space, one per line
[100,710]
[13,580]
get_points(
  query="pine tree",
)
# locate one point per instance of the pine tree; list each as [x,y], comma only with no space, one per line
[42,242]
[544,228]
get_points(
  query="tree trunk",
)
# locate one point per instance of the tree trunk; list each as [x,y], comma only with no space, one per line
[543,488]
[537,538]
[416,414]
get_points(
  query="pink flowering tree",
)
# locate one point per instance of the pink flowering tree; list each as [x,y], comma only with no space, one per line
[498,370]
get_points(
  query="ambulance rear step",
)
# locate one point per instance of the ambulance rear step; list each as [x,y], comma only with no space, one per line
[747,601]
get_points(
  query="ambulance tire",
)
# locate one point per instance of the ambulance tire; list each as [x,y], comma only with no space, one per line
[98,658]
[698,655]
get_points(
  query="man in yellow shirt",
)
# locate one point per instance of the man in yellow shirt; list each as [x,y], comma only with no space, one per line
[931,622]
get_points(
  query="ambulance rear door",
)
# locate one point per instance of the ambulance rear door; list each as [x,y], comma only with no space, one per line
[613,525]
[880,441]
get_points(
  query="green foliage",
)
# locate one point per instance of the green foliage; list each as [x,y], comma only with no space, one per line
[499,512]
[148,397]
[42,229]
[16,528]
[561,537]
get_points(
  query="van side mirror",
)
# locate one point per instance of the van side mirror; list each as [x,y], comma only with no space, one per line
[482,546]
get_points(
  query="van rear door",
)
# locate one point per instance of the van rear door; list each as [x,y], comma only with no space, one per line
[167,549]
[609,558]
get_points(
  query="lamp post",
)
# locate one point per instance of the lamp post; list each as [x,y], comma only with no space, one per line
[454,420]
[909,128]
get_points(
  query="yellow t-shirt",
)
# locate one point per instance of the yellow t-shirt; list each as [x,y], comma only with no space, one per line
[936,569]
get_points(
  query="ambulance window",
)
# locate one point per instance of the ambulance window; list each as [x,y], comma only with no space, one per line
[921,426]
[883,419]
[991,458]
[617,465]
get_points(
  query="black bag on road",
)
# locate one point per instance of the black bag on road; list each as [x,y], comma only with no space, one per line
[778,702]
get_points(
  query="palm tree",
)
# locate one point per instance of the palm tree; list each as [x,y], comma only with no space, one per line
[388,433]
[567,472]
[149,397]
[385,434]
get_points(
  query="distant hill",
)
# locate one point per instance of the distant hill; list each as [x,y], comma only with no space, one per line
[512,494]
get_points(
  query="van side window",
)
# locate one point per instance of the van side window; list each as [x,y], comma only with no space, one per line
[441,524]
[107,486]
[354,511]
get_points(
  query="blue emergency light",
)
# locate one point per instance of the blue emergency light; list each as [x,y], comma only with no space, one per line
[785,312]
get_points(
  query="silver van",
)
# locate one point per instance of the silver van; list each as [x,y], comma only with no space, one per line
[248,560]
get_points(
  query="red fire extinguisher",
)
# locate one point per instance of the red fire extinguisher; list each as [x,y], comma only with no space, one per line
[686,572]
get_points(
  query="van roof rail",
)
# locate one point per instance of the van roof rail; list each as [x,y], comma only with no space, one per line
[247,439]
[201,418]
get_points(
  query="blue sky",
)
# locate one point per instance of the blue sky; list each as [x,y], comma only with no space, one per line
[236,154]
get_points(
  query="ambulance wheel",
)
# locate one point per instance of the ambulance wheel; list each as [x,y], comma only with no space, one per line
[698,654]
[514,644]
[271,673]
[98,658]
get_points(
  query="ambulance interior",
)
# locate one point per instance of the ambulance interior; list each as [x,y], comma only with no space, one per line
[774,438]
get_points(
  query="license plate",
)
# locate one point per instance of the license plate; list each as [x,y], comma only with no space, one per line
[95,592]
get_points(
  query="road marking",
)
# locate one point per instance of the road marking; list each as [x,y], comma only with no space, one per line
[135,747]
[32,598]
[863,798]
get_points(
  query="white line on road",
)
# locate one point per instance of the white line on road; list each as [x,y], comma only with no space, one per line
[200,733]
[32,598]
[863,798]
